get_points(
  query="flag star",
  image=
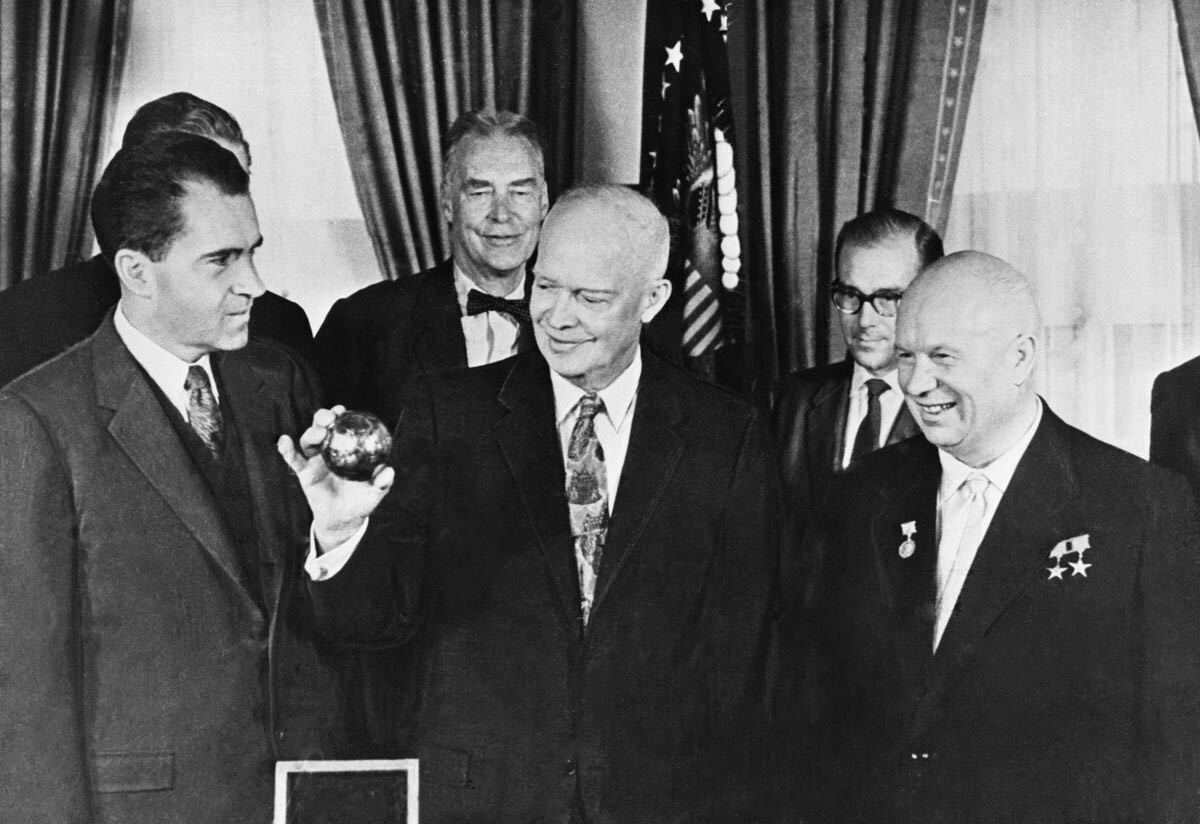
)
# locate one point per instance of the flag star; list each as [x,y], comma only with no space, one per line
[1079,568]
[709,7]
[675,54]
[1056,571]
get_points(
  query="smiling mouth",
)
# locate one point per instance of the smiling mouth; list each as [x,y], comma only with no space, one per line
[936,408]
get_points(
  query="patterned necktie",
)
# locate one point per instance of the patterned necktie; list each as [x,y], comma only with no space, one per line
[867,439]
[204,416]
[587,498]
[966,508]
[479,302]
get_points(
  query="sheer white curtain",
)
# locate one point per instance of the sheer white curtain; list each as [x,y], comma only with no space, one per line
[261,60]
[1080,167]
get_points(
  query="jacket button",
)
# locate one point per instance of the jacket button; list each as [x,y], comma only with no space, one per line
[569,768]
[920,756]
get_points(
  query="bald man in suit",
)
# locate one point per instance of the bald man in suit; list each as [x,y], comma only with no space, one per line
[1003,618]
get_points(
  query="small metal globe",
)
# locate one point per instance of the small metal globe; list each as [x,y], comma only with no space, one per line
[356,444]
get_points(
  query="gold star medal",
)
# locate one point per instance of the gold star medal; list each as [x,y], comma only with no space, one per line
[909,528]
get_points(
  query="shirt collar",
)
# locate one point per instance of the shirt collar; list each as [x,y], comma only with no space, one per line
[166,370]
[861,376]
[463,286]
[999,472]
[617,396]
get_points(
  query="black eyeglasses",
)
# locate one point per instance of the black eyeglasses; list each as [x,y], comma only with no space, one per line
[849,300]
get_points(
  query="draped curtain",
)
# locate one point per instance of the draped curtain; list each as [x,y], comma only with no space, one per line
[402,71]
[1080,165]
[847,105]
[60,64]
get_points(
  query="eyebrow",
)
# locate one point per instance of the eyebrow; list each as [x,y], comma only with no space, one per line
[231,250]
[477,183]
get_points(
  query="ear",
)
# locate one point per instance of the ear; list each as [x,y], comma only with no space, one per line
[656,297]
[135,271]
[447,194]
[545,194]
[1024,353]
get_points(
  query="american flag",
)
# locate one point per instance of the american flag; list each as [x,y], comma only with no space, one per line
[687,166]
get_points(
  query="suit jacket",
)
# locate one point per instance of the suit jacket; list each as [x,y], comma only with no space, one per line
[810,430]
[471,559]
[376,341]
[46,315]
[1175,421]
[1065,699]
[143,678]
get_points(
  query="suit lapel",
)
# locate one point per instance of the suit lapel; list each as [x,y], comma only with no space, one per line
[904,427]
[1012,553]
[141,428]
[438,342]
[655,446]
[826,433]
[246,391]
[528,438]
[909,504]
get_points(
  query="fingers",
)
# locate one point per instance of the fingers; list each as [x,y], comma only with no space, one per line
[383,479]
[287,450]
[313,437]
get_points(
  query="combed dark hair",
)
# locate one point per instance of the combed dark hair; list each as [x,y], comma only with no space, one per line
[484,123]
[883,224]
[136,204]
[183,112]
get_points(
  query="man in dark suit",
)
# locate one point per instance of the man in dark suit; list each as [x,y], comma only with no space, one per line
[1004,617]
[469,310]
[582,543]
[828,416]
[47,314]
[153,640]
[1174,412]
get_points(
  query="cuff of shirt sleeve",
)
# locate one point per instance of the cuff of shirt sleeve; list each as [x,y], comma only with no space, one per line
[322,567]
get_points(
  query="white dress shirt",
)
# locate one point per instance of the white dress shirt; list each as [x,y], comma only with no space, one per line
[954,560]
[166,370]
[490,336]
[613,427]
[889,407]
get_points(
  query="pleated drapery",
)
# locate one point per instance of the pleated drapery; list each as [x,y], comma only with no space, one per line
[847,105]
[60,64]
[402,71]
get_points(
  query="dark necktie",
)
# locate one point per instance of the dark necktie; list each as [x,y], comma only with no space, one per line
[587,498]
[480,302]
[204,416]
[867,439]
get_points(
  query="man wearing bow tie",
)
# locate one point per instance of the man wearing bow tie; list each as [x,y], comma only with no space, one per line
[470,310]
[1003,617]
[581,543]
[156,661]
[829,416]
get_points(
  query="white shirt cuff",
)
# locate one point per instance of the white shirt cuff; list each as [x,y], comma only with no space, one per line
[324,566]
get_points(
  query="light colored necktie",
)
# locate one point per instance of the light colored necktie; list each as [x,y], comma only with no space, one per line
[966,507]
[204,416]
[587,498]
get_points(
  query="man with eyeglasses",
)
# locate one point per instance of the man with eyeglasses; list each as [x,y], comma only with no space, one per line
[829,416]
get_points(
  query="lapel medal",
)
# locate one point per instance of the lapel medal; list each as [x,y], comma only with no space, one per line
[909,528]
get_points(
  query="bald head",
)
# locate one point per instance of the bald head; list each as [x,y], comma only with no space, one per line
[598,279]
[966,336]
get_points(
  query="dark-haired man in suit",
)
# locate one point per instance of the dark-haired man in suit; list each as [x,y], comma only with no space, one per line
[46,314]
[1005,615]
[470,310]
[155,659]
[828,416]
[581,542]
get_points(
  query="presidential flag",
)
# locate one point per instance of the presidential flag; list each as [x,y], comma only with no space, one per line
[687,167]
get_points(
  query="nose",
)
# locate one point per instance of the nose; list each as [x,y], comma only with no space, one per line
[500,210]
[867,316]
[916,377]
[560,314]
[248,282]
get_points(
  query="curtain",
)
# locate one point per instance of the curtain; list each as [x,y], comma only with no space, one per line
[402,71]
[60,64]
[1081,166]
[848,105]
